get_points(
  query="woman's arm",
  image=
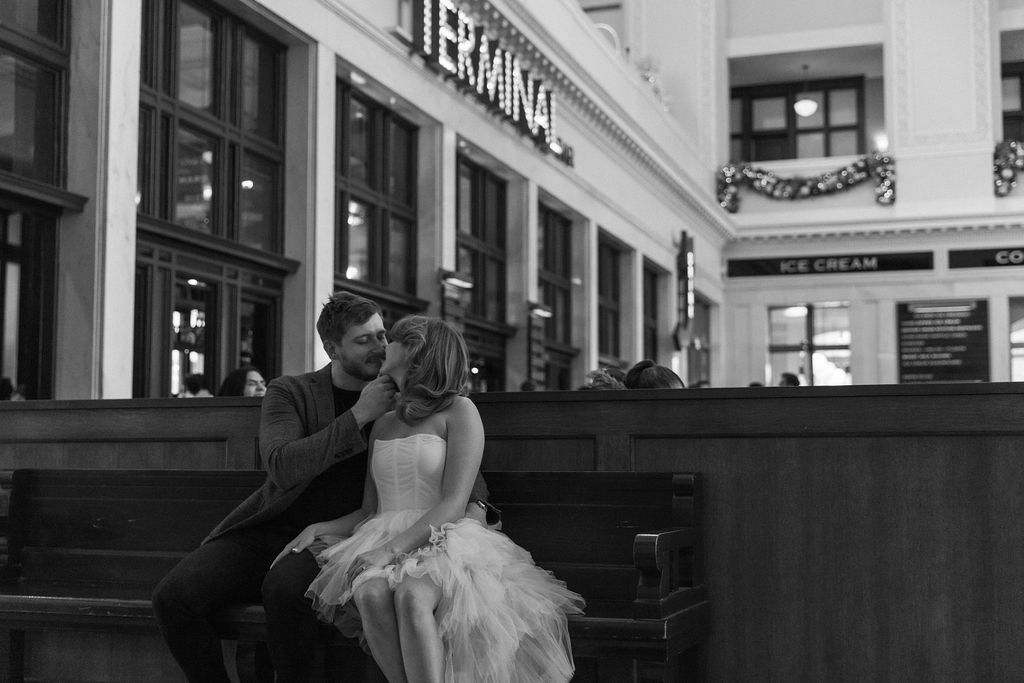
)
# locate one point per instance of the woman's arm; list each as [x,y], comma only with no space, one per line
[464,454]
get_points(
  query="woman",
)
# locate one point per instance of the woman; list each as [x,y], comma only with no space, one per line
[436,596]
[243,381]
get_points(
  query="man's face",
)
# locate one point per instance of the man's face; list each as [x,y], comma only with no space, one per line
[361,350]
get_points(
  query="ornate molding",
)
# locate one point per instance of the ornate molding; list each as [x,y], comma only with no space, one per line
[899,40]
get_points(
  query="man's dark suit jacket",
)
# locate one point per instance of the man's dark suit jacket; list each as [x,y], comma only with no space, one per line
[299,439]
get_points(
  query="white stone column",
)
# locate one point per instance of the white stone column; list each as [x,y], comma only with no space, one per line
[942,145]
[96,261]
[309,228]
[521,277]
[584,299]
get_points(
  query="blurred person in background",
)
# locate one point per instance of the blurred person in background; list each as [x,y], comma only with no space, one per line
[244,381]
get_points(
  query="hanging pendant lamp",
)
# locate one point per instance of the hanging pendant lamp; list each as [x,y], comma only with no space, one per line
[805,106]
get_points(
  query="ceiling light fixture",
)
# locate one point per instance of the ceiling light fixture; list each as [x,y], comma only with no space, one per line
[804,105]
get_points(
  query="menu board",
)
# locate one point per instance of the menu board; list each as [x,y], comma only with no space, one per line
[943,341]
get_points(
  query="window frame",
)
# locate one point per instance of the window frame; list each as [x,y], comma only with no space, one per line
[747,136]
[165,249]
[383,204]
[554,274]
[1013,117]
[42,201]
[54,56]
[806,346]
[609,301]
[652,278]
[485,240]
[162,114]
[1016,349]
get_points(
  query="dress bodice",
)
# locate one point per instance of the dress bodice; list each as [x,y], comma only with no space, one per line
[408,472]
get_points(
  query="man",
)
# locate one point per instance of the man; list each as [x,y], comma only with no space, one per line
[313,430]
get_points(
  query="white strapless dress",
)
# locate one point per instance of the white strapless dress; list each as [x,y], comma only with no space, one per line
[501,617]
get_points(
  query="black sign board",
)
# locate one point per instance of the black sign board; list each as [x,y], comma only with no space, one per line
[943,341]
[831,265]
[986,258]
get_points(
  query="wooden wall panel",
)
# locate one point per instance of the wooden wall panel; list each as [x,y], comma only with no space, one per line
[523,453]
[218,433]
[872,533]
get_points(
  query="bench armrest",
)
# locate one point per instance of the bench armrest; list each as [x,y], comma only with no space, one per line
[665,562]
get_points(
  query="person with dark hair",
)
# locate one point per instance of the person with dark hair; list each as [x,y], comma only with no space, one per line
[195,387]
[243,381]
[411,574]
[649,375]
[789,379]
[313,441]
[603,379]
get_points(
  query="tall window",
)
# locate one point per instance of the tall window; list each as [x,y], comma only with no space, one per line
[609,294]
[698,354]
[1017,340]
[209,275]
[555,280]
[211,128]
[811,341]
[376,186]
[764,127]
[34,61]
[650,312]
[1013,105]
[481,226]
[27,305]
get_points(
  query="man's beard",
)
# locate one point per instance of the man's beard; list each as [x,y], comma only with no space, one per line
[366,371]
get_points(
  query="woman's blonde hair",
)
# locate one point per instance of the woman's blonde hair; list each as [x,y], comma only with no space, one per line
[438,366]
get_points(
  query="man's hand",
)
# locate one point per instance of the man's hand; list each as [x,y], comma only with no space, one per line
[377,398]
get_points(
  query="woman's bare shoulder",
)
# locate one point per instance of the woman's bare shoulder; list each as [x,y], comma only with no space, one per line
[462,411]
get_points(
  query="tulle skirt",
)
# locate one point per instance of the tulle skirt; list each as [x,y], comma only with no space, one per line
[501,618]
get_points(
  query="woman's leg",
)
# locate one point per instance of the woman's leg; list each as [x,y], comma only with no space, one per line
[415,603]
[376,604]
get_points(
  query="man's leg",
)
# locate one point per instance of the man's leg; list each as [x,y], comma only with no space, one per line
[293,631]
[221,572]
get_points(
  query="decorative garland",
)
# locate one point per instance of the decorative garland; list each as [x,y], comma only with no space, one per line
[1008,159]
[877,166]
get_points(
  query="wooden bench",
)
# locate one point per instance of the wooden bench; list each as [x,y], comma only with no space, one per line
[86,547]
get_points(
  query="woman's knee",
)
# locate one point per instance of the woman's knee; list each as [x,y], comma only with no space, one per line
[416,598]
[373,597]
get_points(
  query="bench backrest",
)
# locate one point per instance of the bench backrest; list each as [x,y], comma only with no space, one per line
[581,525]
[129,527]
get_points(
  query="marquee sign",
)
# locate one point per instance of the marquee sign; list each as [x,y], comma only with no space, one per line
[986,258]
[452,42]
[832,264]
